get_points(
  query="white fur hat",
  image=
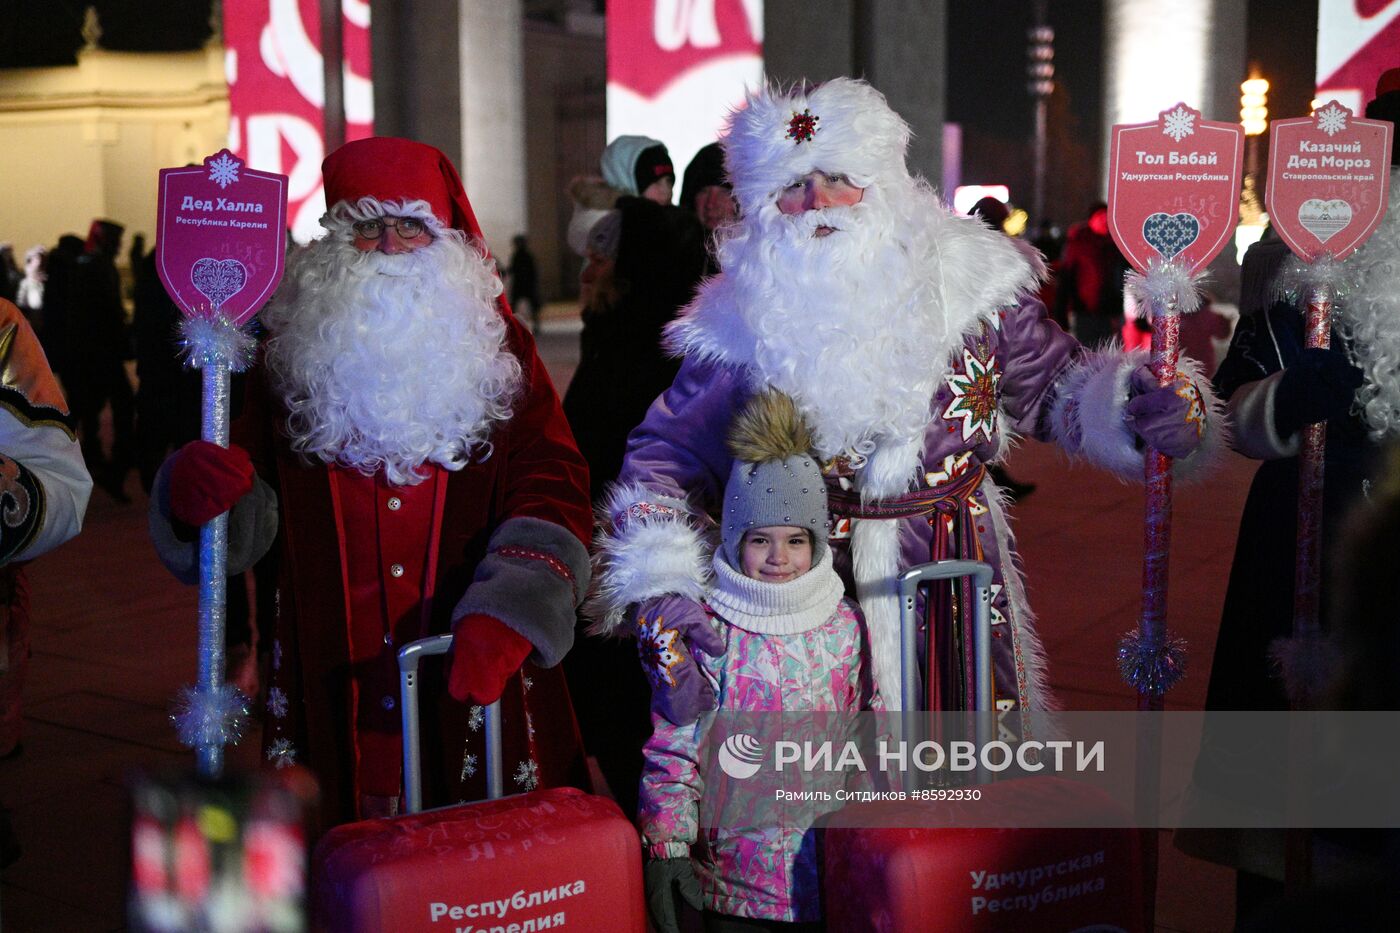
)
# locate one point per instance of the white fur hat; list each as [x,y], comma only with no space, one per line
[842,126]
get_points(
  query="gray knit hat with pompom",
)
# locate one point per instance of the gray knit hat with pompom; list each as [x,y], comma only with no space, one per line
[775,479]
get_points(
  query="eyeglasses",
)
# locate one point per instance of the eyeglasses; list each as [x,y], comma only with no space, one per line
[409,228]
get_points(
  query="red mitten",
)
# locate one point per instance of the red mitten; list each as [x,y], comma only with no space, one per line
[206,480]
[485,653]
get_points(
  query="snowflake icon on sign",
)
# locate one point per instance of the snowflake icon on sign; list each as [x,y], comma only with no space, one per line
[1332,119]
[223,171]
[1179,123]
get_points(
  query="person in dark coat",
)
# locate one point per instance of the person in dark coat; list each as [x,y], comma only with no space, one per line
[524,281]
[98,348]
[706,192]
[1275,386]
[1090,290]
[660,257]
[644,261]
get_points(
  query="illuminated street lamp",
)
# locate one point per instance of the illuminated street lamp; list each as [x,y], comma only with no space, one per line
[1254,109]
[1254,117]
[1040,74]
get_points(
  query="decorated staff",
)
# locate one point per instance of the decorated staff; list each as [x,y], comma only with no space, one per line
[1172,207]
[223,230]
[1171,210]
[1328,189]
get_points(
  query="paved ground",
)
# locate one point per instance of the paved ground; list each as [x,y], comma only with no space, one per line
[114,637]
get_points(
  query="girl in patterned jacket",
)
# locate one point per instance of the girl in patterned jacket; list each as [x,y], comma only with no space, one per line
[787,640]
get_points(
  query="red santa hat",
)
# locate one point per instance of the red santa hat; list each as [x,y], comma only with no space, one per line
[389,169]
[843,126]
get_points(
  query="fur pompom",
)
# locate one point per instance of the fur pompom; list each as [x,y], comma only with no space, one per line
[769,428]
[216,717]
[1166,284]
[1299,280]
[1150,666]
[1306,664]
[216,341]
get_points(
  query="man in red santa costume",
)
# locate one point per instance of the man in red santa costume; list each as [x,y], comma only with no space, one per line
[407,449]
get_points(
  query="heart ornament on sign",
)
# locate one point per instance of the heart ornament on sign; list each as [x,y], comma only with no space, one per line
[1169,234]
[218,279]
[1324,219]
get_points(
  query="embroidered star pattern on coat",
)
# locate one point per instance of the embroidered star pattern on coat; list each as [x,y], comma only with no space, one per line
[657,648]
[974,396]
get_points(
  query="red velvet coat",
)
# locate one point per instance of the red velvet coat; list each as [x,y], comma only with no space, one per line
[333,696]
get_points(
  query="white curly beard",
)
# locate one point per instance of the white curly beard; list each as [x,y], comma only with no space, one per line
[390,362]
[848,310]
[1369,318]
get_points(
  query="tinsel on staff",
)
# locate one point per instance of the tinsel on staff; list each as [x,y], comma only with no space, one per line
[212,714]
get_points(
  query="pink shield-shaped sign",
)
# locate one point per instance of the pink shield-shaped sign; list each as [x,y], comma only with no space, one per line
[1173,193]
[222,235]
[1329,180]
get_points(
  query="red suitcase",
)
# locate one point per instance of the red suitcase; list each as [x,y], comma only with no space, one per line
[880,875]
[557,859]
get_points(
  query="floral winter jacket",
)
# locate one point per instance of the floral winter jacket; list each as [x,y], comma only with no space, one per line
[764,872]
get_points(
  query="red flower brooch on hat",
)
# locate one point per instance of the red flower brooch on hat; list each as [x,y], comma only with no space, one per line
[802,127]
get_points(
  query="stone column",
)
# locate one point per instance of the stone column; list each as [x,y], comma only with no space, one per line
[450,73]
[492,88]
[899,46]
[1156,54]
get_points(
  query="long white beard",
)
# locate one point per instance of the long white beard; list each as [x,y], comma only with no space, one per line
[850,324]
[1369,317]
[391,362]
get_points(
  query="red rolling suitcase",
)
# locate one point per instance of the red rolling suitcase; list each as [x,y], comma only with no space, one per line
[880,875]
[557,859]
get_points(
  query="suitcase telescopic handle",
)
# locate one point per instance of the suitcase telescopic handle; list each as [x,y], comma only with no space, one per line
[410,655]
[910,681]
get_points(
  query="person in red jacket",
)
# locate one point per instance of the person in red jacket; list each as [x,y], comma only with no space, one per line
[403,443]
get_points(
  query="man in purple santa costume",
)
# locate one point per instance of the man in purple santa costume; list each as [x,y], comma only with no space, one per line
[910,340]
[425,479]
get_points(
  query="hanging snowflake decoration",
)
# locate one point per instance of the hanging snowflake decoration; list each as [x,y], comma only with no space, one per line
[277,702]
[1179,123]
[802,127]
[527,683]
[468,766]
[281,753]
[1332,119]
[223,171]
[527,775]
[475,717]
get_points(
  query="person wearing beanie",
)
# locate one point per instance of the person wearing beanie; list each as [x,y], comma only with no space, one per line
[910,340]
[707,194]
[644,260]
[639,166]
[773,594]
[403,446]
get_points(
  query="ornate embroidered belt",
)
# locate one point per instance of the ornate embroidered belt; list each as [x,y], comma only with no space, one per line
[949,498]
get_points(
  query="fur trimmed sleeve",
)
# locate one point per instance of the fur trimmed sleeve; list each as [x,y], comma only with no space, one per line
[1252,430]
[533,577]
[647,545]
[1087,415]
[654,530]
